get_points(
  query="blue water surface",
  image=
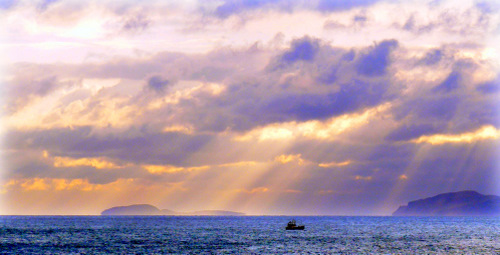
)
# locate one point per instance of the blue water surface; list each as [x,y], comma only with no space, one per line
[248,235]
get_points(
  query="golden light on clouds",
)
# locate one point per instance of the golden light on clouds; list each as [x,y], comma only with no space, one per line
[55,184]
[285,159]
[161,169]
[239,164]
[335,164]
[254,190]
[315,129]
[363,178]
[46,113]
[98,163]
[484,133]
[184,90]
[100,110]
[178,128]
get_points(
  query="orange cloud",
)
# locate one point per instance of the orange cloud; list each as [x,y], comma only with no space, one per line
[335,164]
[254,190]
[161,169]
[314,129]
[403,177]
[98,163]
[486,132]
[363,178]
[285,159]
[56,184]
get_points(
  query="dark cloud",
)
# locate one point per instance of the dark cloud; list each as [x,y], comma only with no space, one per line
[351,97]
[137,23]
[43,5]
[474,21]
[158,84]
[228,8]
[329,6]
[488,6]
[301,49]
[360,19]
[432,57]
[408,132]
[452,82]
[29,163]
[330,74]
[133,145]
[438,108]
[23,89]
[376,61]
[264,96]
[490,87]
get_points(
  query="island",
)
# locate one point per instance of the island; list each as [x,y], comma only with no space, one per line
[462,203]
[146,209]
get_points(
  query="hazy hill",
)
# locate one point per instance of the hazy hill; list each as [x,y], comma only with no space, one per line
[145,209]
[462,203]
[142,209]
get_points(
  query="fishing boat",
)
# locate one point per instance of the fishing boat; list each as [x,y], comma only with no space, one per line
[292,225]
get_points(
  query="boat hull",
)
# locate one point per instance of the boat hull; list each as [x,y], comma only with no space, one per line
[295,228]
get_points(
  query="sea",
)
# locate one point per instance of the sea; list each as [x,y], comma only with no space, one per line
[248,235]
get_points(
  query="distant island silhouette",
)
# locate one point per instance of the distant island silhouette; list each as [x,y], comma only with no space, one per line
[146,209]
[462,203]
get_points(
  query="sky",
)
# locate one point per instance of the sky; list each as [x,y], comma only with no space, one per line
[257,106]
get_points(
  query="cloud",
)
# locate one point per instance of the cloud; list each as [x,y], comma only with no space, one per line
[239,7]
[451,83]
[490,87]
[363,178]
[468,19]
[58,184]
[158,84]
[432,57]
[97,163]
[254,190]
[328,6]
[128,145]
[228,8]
[7,4]
[335,164]
[43,5]
[487,132]
[137,23]
[301,49]
[352,96]
[24,90]
[376,61]
[285,159]
[408,132]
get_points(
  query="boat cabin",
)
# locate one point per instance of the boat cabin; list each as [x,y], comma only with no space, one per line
[292,225]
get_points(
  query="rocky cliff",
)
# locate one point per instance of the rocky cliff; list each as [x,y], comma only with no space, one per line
[463,203]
